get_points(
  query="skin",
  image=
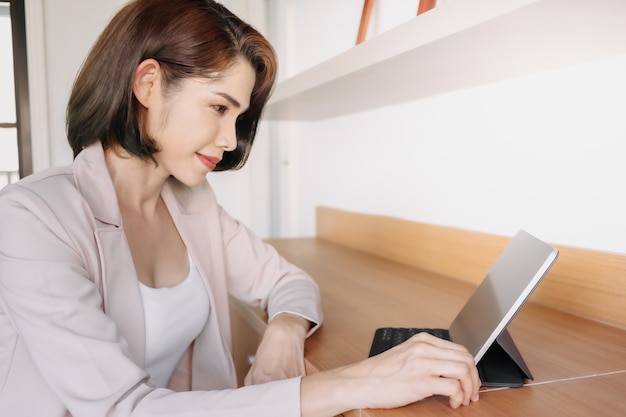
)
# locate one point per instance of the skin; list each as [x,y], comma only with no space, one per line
[193,123]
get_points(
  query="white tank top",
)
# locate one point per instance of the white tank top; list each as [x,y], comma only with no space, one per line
[174,318]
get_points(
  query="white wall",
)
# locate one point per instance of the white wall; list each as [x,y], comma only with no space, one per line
[70,27]
[543,152]
[304,33]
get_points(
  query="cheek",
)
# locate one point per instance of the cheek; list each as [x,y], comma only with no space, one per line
[193,129]
[178,122]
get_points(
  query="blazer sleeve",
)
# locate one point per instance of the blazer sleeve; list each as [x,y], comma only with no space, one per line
[51,310]
[259,276]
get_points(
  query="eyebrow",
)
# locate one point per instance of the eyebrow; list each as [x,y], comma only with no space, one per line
[228,97]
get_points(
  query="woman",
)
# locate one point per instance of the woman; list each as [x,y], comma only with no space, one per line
[115,271]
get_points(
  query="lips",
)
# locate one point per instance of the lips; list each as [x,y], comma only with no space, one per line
[209,161]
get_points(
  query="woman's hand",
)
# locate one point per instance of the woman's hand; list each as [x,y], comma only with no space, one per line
[418,368]
[421,367]
[280,354]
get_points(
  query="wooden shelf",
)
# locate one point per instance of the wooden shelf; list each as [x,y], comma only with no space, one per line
[460,44]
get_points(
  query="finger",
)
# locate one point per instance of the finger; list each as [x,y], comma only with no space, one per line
[460,372]
[465,372]
[477,384]
[447,387]
[454,352]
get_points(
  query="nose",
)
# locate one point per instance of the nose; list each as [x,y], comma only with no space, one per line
[227,137]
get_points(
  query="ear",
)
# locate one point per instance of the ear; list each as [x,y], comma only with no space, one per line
[147,81]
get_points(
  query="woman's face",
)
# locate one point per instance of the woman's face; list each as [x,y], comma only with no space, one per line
[194,123]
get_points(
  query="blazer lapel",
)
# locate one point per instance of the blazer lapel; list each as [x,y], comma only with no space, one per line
[119,284]
[122,298]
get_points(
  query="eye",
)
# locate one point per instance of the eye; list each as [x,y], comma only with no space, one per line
[220,109]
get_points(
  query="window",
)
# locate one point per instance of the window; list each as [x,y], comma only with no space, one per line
[15,151]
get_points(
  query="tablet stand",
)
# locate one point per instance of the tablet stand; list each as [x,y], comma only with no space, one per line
[503,365]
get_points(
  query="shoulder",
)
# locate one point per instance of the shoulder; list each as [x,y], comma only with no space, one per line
[48,200]
[42,188]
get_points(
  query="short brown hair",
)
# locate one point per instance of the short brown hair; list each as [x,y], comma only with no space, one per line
[189,38]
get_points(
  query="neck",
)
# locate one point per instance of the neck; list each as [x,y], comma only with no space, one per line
[137,183]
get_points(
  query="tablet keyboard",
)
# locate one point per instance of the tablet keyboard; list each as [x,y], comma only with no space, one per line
[388,337]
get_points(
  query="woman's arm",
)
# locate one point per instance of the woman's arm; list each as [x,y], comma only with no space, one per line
[280,354]
[258,275]
[421,367]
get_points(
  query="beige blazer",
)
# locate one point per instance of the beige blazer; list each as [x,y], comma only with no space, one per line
[72,337]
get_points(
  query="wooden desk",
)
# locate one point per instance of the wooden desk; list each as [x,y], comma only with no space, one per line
[579,365]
